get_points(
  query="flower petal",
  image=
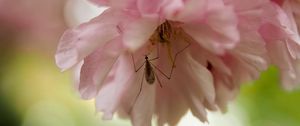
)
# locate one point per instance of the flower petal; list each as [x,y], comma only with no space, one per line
[224,95]
[139,32]
[97,66]
[111,93]
[100,2]
[193,100]
[220,32]
[149,7]
[280,57]
[202,77]
[143,108]
[170,105]
[125,4]
[79,42]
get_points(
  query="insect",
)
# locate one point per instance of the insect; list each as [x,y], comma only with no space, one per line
[149,73]
[163,35]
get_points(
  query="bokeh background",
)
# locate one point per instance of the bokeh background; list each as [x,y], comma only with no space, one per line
[33,91]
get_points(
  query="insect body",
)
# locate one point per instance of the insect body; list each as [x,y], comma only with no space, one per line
[149,73]
[163,35]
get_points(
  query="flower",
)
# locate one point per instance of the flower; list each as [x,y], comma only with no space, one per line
[205,50]
[282,38]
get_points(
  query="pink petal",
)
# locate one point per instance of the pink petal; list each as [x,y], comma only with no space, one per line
[111,93]
[185,11]
[150,7]
[280,57]
[170,105]
[139,32]
[224,95]
[270,32]
[250,20]
[100,2]
[97,66]
[281,26]
[252,50]
[197,79]
[202,77]
[279,2]
[225,23]
[193,94]
[143,108]
[220,32]
[193,100]
[197,108]
[79,42]
[172,8]
[124,4]
[206,56]
[246,5]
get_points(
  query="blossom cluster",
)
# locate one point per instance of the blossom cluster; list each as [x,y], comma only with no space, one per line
[200,53]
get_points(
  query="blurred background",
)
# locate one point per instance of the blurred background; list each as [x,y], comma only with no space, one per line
[33,91]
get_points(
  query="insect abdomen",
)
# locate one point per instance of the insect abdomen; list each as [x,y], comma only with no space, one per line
[149,74]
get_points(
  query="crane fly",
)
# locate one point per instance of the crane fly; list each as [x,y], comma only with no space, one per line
[163,35]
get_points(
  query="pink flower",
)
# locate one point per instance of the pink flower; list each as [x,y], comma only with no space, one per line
[220,45]
[281,35]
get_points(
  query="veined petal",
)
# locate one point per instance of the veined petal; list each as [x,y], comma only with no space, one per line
[245,5]
[97,66]
[170,105]
[143,108]
[206,56]
[185,11]
[150,7]
[172,8]
[225,22]
[252,50]
[111,93]
[280,57]
[220,32]
[79,42]
[192,93]
[224,95]
[139,32]
[202,78]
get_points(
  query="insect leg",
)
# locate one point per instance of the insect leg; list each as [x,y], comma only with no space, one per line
[158,79]
[173,65]
[180,51]
[136,70]
[137,96]
[169,77]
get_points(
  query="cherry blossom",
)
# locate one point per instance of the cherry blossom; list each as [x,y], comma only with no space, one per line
[200,53]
